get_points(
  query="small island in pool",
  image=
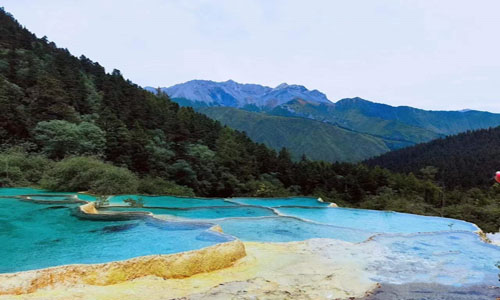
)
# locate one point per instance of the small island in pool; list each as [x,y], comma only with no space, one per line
[54,241]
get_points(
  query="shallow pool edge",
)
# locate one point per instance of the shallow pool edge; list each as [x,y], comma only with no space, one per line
[177,265]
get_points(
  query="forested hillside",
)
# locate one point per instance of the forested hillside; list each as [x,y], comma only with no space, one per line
[66,124]
[465,160]
[439,122]
[317,140]
[346,113]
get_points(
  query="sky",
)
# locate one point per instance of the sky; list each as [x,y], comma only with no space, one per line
[439,55]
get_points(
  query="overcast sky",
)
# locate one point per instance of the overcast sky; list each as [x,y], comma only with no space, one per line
[427,54]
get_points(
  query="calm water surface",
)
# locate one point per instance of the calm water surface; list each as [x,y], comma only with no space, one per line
[396,247]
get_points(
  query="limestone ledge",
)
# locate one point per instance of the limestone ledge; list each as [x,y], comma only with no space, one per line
[89,211]
[312,269]
[70,199]
[331,204]
[89,208]
[216,228]
[494,238]
[483,236]
[178,265]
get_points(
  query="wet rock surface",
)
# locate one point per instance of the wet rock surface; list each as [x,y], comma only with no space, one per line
[425,291]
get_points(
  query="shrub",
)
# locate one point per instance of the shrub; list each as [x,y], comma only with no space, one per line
[102,201]
[89,174]
[17,168]
[267,187]
[139,202]
[159,186]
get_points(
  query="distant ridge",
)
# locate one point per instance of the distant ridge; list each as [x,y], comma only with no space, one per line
[396,127]
[232,94]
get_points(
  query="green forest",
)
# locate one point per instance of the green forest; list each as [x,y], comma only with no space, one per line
[318,140]
[465,160]
[67,125]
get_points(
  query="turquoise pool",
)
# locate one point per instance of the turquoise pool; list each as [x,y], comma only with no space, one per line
[4,192]
[276,202]
[35,236]
[170,201]
[26,191]
[377,221]
[451,258]
[203,213]
[396,247]
[50,198]
[285,229]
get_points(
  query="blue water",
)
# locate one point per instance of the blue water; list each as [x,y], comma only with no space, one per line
[275,202]
[30,191]
[402,248]
[453,258]
[52,198]
[170,201]
[284,229]
[23,191]
[34,236]
[204,212]
[377,221]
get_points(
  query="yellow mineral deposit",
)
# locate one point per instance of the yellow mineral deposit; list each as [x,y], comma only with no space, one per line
[89,208]
[269,270]
[179,265]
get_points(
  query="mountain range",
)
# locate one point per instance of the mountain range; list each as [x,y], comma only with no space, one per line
[233,94]
[370,128]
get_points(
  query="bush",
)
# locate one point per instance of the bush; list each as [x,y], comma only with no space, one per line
[267,186]
[17,168]
[89,174]
[102,201]
[139,202]
[159,186]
